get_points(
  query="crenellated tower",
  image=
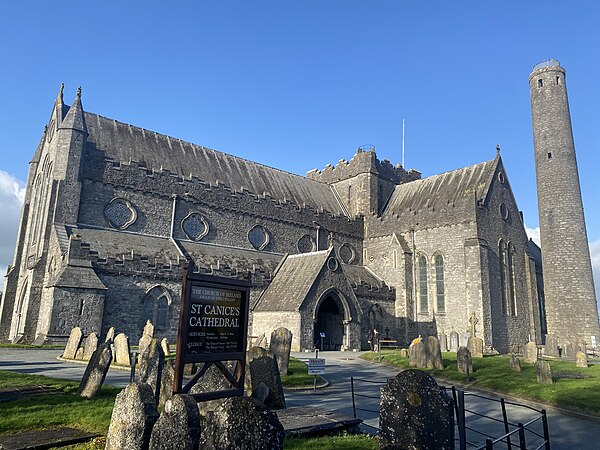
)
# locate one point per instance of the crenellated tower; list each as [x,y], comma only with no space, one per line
[571,310]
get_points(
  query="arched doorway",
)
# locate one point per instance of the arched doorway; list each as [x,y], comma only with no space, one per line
[330,321]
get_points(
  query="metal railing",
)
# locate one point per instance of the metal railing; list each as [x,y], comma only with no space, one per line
[546,63]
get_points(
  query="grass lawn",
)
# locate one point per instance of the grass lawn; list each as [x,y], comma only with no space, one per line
[298,375]
[494,372]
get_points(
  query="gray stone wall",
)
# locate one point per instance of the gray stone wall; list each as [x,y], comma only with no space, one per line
[268,321]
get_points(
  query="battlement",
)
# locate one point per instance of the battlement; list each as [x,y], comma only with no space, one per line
[364,162]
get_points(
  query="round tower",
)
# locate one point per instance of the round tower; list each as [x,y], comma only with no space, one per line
[571,310]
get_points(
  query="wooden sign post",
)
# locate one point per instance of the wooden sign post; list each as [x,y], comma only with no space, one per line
[213,327]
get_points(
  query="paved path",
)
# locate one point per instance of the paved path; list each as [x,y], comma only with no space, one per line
[566,431]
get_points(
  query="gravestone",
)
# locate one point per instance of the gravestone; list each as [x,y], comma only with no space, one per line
[415,413]
[281,345]
[178,427]
[143,344]
[568,350]
[164,344]
[133,417]
[79,354]
[581,359]
[166,383]
[89,346]
[73,343]
[241,423]
[476,347]
[434,354]
[121,344]
[530,353]
[261,393]
[454,341]
[514,362]
[404,353]
[464,339]
[95,372]
[551,346]
[581,347]
[149,329]
[261,341]
[417,354]
[151,365]
[464,361]
[212,380]
[543,372]
[443,342]
[110,335]
[261,367]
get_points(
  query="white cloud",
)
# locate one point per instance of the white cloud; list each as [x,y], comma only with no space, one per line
[12,194]
[533,233]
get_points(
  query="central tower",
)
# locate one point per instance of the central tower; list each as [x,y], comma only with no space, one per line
[571,310]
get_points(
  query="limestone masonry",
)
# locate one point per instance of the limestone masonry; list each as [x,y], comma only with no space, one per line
[113,211]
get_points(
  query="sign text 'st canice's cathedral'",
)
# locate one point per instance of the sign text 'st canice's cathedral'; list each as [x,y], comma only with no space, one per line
[112,213]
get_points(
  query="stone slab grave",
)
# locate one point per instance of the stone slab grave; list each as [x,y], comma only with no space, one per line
[311,420]
[73,343]
[261,367]
[96,371]
[280,345]
[90,346]
[44,439]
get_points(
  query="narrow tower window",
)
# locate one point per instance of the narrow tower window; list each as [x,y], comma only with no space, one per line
[439,284]
[423,302]
[558,80]
[549,155]
[540,83]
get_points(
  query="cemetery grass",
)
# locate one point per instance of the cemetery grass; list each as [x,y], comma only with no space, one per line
[574,387]
[297,376]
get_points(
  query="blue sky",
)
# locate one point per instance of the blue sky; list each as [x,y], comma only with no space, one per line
[298,85]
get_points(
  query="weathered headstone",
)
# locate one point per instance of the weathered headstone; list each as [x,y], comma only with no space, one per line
[122,350]
[543,372]
[241,422]
[90,345]
[581,359]
[443,342]
[464,361]
[133,417]
[568,350]
[164,344]
[149,329]
[415,413]
[530,353]
[582,347]
[261,367]
[551,346]
[212,380]
[110,335]
[151,365]
[464,339]
[280,346]
[404,353]
[73,343]
[417,354]
[143,345]
[261,341]
[261,393]
[166,383]
[79,354]
[476,347]
[514,362]
[95,372]
[434,354]
[454,341]
[178,427]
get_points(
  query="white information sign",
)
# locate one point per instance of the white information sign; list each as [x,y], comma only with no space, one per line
[593,341]
[316,366]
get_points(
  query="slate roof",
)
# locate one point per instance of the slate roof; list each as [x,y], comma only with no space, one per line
[124,143]
[439,190]
[358,275]
[292,282]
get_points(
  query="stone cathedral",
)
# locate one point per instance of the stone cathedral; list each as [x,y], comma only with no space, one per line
[113,211]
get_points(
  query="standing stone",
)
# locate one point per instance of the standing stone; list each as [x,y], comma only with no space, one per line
[543,372]
[241,423]
[530,353]
[261,367]
[261,341]
[149,329]
[122,350]
[73,343]
[404,353]
[551,346]
[166,383]
[90,345]
[79,354]
[178,427]
[95,372]
[417,354]
[164,344]
[143,345]
[443,342]
[476,347]
[464,361]
[110,335]
[434,354]
[280,346]
[454,341]
[515,364]
[415,413]
[581,359]
[151,366]
[132,418]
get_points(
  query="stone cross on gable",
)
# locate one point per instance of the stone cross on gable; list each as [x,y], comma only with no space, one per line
[473,321]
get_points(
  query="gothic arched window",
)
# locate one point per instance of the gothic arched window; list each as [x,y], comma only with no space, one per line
[423,301]
[440,293]
[376,317]
[156,306]
[512,285]
[506,253]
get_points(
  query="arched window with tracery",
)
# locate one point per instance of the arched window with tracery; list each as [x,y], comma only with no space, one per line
[440,293]
[376,317]
[506,253]
[423,299]
[156,307]
[512,286]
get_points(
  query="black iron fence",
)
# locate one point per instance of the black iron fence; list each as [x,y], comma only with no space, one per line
[471,423]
